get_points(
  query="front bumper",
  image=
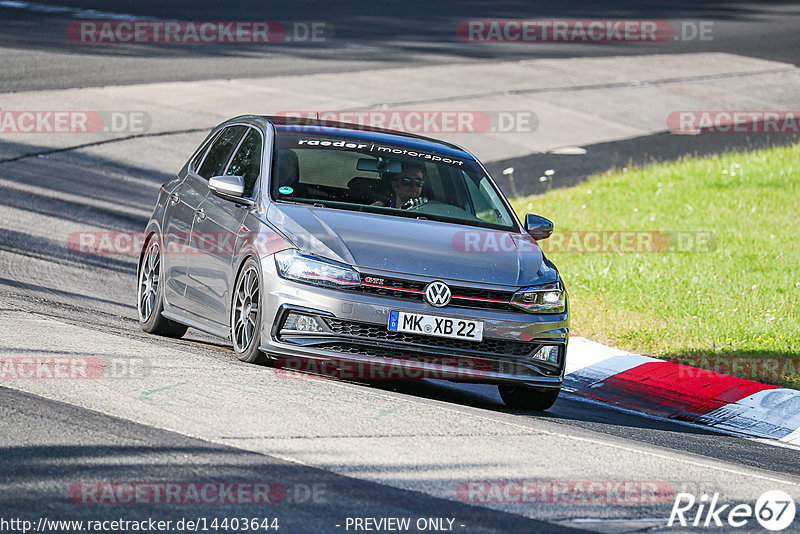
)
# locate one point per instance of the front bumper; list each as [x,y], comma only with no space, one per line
[355,342]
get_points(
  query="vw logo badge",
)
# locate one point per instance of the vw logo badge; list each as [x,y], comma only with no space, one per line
[437,294]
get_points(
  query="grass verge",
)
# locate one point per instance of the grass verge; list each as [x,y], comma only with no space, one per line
[710,272]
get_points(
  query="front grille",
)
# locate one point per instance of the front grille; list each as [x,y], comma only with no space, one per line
[463,297]
[373,332]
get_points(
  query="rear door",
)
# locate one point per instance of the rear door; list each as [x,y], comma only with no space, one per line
[177,228]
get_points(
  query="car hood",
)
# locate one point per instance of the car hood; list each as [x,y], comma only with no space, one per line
[374,242]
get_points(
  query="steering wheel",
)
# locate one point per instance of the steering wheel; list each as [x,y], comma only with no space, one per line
[416,203]
[443,209]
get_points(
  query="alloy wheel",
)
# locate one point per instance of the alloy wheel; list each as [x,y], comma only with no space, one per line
[149,278]
[245,309]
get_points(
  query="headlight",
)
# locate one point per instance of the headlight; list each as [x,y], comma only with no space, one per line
[294,266]
[549,298]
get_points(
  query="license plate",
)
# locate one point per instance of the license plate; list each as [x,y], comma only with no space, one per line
[431,325]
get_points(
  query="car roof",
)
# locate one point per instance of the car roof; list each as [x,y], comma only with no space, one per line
[360,131]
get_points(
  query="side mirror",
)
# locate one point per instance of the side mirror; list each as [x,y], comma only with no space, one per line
[229,188]
[538,227]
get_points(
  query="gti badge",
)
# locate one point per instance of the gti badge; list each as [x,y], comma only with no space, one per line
[437,294]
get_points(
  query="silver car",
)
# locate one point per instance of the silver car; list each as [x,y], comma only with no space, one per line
[357,253]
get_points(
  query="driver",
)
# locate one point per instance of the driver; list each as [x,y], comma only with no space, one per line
[406,187]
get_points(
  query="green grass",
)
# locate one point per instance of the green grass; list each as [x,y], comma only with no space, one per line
[737,303]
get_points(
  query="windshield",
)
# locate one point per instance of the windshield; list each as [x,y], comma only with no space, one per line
[356,174]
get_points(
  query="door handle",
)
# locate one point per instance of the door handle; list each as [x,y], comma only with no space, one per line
[174,198]
[201,214]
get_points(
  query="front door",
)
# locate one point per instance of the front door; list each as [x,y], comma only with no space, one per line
[218,224]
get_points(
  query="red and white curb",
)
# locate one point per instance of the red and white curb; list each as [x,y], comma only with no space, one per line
[680,392]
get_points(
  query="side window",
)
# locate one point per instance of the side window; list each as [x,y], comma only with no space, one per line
[200,153]
[247,161]
[220,151]
[483,201]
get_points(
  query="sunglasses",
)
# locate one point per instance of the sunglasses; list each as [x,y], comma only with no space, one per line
[408,181]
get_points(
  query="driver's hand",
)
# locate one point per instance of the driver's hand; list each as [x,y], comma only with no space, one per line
[415,203]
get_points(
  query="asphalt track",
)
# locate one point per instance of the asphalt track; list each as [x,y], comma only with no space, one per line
[365,35]
[93,294]
[188,420]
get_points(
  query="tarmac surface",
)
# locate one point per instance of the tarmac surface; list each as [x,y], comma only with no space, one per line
[186,411]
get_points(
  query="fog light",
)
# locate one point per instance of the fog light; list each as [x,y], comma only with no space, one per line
[548,353]
[302,323]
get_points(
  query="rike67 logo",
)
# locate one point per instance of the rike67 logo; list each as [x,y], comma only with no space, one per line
[774,510]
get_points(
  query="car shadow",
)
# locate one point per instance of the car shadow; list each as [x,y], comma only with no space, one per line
[607,422]
[90,474]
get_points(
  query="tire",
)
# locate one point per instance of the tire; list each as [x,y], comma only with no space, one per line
[527,398]
[150,294]
[246,314]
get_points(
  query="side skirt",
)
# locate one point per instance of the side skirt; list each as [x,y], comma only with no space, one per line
[214,329]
